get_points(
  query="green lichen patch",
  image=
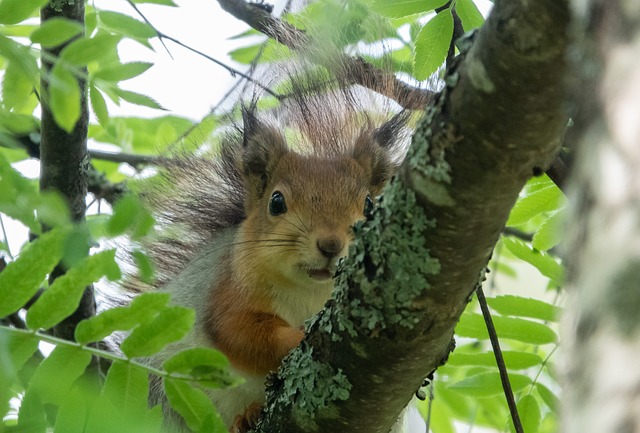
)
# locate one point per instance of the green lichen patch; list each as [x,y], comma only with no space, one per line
[310,388]
[389,268]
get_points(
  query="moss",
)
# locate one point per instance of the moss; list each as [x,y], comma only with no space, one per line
[309,388]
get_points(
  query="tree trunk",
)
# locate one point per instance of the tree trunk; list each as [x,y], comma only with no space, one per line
[63,155]
[414,267]
[601,328]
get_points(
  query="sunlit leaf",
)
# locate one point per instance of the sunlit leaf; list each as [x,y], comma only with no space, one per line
[511,305]
[512,359]
[529,412]
[122,72]
[207,365]
[549,233]
[432,44]
[126,25]
[193,404]
[542,261]
[63,296]
[14,11]
[534,203]
[99,105]
[402,8]
[16,87]
[549,398]
[488,384]
[472,325]
[469,14]
[64,97]
[22,278]
[55,31]
[84,50]
[138,99]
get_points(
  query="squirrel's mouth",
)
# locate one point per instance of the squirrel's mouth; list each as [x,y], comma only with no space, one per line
[320,274]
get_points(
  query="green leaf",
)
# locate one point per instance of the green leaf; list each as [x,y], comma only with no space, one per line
[145,266]
[511,305]
[472,325]
[534,203]
[15,11]
[122,72]
[99,105]
[74,411]
[16,87]
[31,416]
[142,309]
[22,278]
[403,8]
[208,366]
[549,233]
[170,325]
[15,349]
[83,51]
[158,2]
[529,412]
[512,359]
[17,196]
[549,398]
[62,298]
[127,387]
[469,14]
[138,99]
[542,261]
[56,31]
[56,374]
[64,97]
[193,404]
[130,215]
[489,384]
[245,55]
[126,25]
[432,44]
[20,55]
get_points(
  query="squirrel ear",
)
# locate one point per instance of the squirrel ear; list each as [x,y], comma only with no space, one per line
[263,146]
[374,151]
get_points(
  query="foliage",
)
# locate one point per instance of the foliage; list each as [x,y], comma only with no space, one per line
[50,384]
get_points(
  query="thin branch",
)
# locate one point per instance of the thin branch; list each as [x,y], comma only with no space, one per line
[127,158]
[357,70]
[233,71]
[502,368]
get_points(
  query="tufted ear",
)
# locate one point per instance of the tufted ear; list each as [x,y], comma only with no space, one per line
[263,146]
[374,151]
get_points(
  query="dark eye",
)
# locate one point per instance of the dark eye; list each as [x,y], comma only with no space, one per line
[277,206]
[368,206]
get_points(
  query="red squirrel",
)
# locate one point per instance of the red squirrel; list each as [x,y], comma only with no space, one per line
[270,218]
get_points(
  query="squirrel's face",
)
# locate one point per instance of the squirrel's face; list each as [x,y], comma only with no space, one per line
[299,228]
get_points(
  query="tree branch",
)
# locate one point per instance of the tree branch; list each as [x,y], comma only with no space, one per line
[357,70]
[413,268]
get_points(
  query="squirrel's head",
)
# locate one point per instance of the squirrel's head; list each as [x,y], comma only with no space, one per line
[301,208]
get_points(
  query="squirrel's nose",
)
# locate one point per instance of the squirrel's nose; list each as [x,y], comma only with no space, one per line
[330,247]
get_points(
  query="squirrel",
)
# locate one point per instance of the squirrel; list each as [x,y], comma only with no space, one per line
[266,223]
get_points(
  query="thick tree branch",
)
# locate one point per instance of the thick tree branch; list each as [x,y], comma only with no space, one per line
[414,267]
[356,70]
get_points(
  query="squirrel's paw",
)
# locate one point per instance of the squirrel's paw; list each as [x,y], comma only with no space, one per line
[248,420]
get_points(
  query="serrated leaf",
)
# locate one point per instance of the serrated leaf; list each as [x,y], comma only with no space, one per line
[142,309]
[56,31]
[64,97]
[549,398]
[472,325]
[15,349]
[99,105]
[22,278]
[15,11]
[170,325]
[512,359]
[62,298]
[16,87]
[122,72]
[126,25]
[432,44]
[549,234]
[529,412]
[489,384]
[534,203]
[542,261]
[469,14]
[193,404]
[511,305]
[208,366]
[403,8]
[138,99]
[55,376]
[127,387]
[85,50]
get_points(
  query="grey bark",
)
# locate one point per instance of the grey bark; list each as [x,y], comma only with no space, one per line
[601,327]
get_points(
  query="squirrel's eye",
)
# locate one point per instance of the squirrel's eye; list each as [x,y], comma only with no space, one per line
[368,206]
[277,206]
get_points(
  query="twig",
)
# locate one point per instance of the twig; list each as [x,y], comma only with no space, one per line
[133,160]
[502,368]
